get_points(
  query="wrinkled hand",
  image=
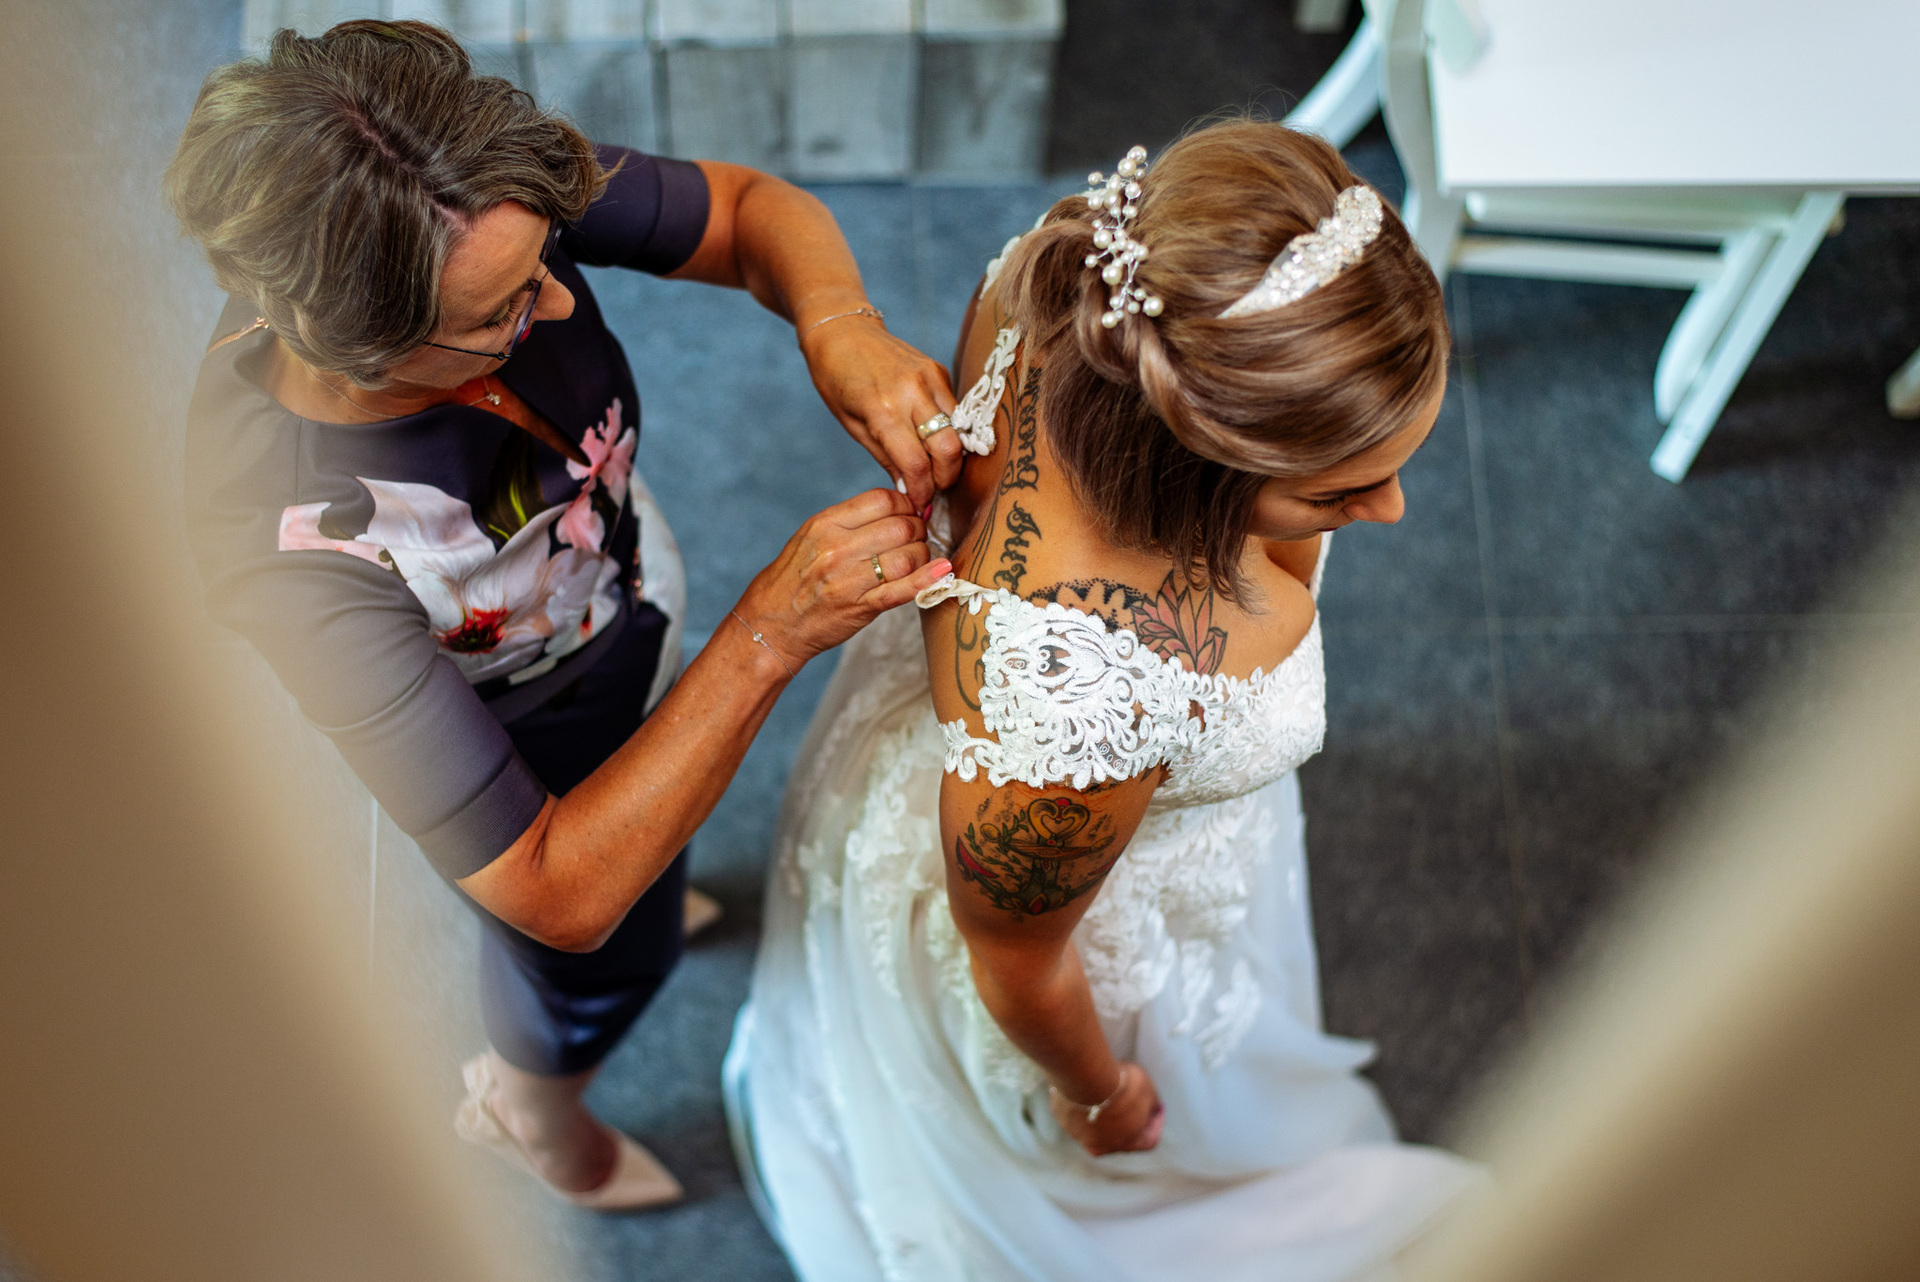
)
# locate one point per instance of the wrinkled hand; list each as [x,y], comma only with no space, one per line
[881,388]
[1129,1124]
[821,589]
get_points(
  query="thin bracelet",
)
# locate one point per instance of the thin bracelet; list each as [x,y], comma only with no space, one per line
[791,674]
[874,312]
[1093,1111]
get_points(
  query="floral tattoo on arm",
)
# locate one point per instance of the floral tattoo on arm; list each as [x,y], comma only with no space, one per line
[1038,857]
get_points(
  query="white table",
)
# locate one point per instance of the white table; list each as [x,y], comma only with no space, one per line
[1727,94]
[1698,144]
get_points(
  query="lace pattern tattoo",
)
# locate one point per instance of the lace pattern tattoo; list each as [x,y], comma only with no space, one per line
[1176,622]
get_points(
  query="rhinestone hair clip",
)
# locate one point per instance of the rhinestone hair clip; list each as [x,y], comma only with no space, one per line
[1113,202]
[1313,258]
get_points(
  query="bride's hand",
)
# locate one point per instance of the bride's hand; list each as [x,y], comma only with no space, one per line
[822,588]
[1130,1123]
[881,388]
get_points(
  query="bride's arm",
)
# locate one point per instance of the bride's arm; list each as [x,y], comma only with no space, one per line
[1023,865]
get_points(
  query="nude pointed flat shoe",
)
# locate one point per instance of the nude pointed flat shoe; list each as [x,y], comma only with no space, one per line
[638,1180]
[700,912]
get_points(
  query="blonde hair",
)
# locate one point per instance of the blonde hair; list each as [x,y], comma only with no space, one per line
[327,182]
[1168,427]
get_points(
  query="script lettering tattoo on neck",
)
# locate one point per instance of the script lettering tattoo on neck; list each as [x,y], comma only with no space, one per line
[1023,469]
[1033,858]
[1175,622]
[1017,528]
[1013,552]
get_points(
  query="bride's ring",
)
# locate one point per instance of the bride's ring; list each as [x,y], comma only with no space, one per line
[938,423]
[879,575]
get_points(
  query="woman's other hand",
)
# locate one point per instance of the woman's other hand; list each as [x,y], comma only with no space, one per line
[882,388]
[781,244]
[823,587]
[1129,1124]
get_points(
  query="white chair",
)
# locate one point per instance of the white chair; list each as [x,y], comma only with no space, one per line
[1348,96]
[1739,253]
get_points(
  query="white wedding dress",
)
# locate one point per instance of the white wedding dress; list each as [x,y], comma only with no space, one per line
[888,1130]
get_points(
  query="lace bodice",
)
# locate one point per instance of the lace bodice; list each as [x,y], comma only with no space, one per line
[1067,700]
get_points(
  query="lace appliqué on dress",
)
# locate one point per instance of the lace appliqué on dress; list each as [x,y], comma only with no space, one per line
[892,854]
[1167,913]
[973,417]
[1068,701]
[999,260]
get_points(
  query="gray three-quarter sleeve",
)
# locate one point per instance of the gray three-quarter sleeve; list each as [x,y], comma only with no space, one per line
[650,217]
[347,640]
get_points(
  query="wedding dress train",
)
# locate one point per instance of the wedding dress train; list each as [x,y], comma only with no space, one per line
[887,1128]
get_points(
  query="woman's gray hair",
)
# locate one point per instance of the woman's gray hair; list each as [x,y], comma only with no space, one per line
[328,181]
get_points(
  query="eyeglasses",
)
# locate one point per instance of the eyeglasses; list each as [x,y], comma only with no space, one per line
[525,321]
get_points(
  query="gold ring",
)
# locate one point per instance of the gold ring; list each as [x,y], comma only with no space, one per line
[879,575]
[938,423]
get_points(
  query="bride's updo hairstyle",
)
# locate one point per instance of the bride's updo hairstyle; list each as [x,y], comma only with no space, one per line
[1168,426]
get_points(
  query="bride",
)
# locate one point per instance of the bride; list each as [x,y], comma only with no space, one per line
[1037,995]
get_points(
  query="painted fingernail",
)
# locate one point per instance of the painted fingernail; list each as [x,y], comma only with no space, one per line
[900,483]
[926,511]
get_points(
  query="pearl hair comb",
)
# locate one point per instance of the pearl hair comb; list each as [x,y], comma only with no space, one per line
[1313,258]
[1113,201]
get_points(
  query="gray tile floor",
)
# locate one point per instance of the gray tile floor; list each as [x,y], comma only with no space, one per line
[1527,674]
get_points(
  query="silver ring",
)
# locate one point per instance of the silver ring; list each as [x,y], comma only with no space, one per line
[879,575]
[938,423]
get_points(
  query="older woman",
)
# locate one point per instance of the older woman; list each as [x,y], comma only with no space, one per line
[411,487]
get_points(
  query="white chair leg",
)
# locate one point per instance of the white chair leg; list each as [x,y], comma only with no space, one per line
[1434,222]
[1903,389]
[1432,219]
[1705,318]
[1707,396]
[1348,96]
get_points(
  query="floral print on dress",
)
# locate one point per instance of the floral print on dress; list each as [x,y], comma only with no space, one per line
[511,611]
[609,464]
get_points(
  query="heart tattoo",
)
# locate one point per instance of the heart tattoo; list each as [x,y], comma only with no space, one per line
[1037,858]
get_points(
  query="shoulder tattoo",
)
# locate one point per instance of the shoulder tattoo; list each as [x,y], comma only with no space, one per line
[1174,622]
[1032,859]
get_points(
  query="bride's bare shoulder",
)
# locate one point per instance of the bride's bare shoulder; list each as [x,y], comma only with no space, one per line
[1186,618]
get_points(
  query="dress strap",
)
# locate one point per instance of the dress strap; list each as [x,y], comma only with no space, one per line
[1320,566]
[973,416]
[953,588]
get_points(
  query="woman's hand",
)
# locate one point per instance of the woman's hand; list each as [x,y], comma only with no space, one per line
[782,245]
[881,389]
[822,588]
[1130,1123]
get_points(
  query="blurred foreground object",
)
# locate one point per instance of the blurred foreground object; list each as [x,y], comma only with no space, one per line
[1704,145]
[1903,389]
[200,1081]
[1728,1091]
